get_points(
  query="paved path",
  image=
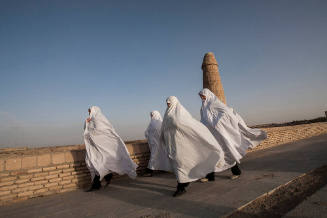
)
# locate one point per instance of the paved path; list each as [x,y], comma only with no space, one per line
[262,171]
[314,206]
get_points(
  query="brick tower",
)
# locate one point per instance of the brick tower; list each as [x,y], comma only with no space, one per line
[211,77]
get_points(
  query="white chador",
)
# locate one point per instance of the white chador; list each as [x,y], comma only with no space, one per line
[106,152]
[192,149]
[229,128]
[159,159]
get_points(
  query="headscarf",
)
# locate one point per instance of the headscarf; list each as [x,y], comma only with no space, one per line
[193,150]
[105,151]
[159,159]
[228,127]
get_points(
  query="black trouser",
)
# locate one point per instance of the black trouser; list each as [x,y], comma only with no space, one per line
[182,186]
[236,170]
[108,177]
[211,176]
[147,170]
[96,184]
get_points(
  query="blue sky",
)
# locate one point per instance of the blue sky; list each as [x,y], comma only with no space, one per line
[60,57]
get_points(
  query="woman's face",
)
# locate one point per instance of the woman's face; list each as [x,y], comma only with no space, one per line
[168,104]
[89,110]
[203,97]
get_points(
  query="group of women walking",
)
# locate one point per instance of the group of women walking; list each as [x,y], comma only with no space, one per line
[191,149]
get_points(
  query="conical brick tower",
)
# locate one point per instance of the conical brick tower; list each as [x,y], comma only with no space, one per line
[211,76]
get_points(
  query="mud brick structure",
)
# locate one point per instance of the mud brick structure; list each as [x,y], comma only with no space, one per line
[211,76]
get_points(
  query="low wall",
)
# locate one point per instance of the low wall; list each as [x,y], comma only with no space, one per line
[28,173]
[286,134]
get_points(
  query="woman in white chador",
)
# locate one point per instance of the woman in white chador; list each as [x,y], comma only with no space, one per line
[159,158]
[229,129]
[192,149]
[106,152]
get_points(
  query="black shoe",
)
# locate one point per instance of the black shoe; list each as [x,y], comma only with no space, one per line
[148,173]
[180,189]
[179,192]
[211,176]
[236,170]
[96,184]
[108,178]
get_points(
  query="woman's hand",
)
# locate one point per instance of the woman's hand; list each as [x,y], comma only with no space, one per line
[88,120]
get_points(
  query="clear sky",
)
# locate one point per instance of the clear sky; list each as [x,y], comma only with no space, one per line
[57,58]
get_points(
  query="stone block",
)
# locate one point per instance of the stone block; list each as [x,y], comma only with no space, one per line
[20,190]
[34,170]
[58,158]
[4,174]
[38,178]
[43,160]
[77,156]
[2,165]
[63,166]
[55,180]
[28,162]
[55,172]
[18,172]
[67,170]
[51,184]
[6,183]
[25,194]
[8,187]
[42,190]
[73,165]
[42,182]
[41,174]
[26,184]
[20,181]
[51,176]
[2,193]
[64,174]
[55,188]
[36,187]
[28,176]
[64,182]
[8,197]
[6,179]
[13,164]
[44,169]
[69,157]
[68,177]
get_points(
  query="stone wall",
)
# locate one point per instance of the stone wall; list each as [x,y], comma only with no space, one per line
[28,173]
[286,134]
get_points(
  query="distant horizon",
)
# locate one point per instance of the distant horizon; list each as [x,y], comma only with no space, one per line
[134,140]
[58,58]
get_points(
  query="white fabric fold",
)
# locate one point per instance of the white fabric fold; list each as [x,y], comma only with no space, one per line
[159,159]
[229,128]
[192,149]
[106,152]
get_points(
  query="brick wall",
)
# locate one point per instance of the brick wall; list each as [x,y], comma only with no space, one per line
[286,134]
[27,173]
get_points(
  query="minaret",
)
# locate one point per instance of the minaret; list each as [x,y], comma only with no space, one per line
[211,77]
